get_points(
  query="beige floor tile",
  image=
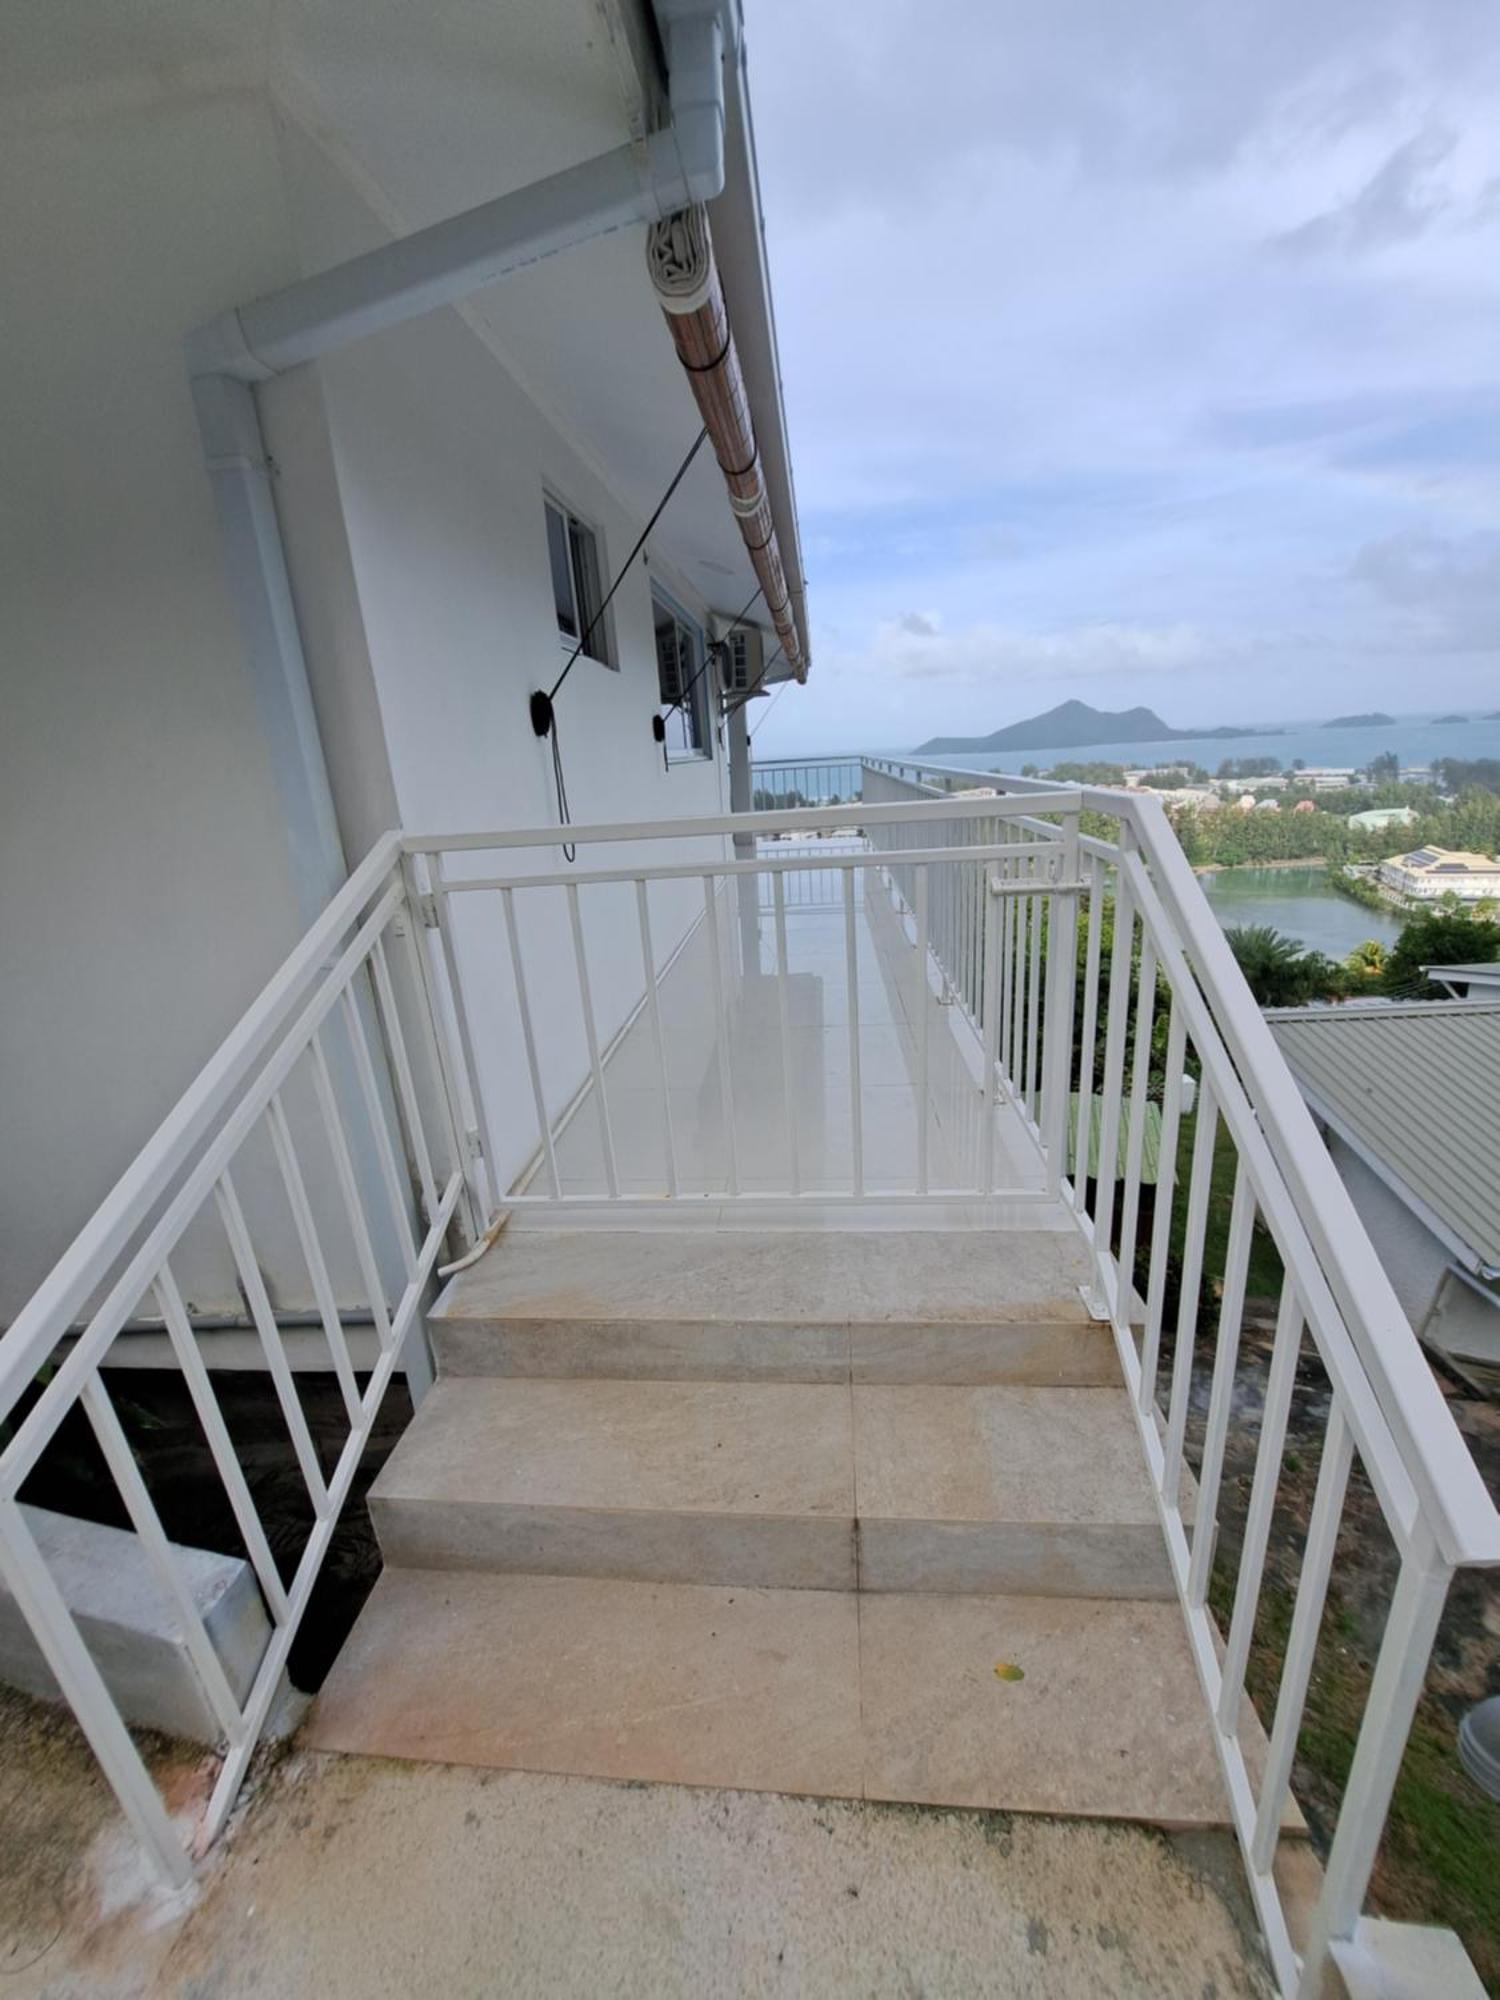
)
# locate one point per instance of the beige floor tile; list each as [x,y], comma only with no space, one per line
[676,1684]
[999,1454]
[1108,1720]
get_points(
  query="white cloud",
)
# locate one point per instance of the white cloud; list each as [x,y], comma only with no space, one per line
[1057,390]
[987,653]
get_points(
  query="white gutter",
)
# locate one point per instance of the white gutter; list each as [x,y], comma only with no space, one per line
[681,164]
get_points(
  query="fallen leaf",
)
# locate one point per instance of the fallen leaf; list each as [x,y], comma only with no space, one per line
[1007,1670]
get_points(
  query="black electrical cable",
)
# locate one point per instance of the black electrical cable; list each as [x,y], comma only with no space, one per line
[543,713]
[677,479]
[709,651]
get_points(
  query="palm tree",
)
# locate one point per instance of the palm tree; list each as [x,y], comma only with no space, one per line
[1367,959]
[1278,971]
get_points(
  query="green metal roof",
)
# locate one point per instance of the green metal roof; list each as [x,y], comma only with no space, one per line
[1415,1087]
[1150,1137]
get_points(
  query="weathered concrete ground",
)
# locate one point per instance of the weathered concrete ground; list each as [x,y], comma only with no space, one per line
[358,1877]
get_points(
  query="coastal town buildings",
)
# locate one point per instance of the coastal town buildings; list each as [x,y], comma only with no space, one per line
[1428,873]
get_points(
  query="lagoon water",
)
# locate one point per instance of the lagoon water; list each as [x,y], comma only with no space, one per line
[1300,902]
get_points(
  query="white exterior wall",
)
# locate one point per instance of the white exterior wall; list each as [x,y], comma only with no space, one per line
[145,893]
[442,463]
[1442,1307]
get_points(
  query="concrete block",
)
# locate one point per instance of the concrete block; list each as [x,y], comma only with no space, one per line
[130,1627]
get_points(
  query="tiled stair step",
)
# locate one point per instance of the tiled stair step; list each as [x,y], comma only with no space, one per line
[778,1485]
[877,1307]
[891,1697]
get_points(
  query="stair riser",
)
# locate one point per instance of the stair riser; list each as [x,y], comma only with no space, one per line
[1045,1559]
[1037,1353]
[784,1553]
[1015,1558]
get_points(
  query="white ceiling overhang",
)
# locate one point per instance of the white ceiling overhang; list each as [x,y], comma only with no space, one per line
[440,107]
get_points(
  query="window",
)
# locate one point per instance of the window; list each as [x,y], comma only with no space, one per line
[682,680]
[577,593]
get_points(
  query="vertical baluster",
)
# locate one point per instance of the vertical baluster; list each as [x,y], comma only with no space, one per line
[924,1014]
[440,1054]
[653,1004]
[405,1083]
[1089,1028]
[1280,1380]
[1117,1017]
[1135,1134]
[1161,1219]
[220,1444]
[1200,1181]
[856,1091]
[1221,1395]
[990,1022]
[1302,1639]
[243,1251]
[312,1254]
[354,1208]
[528,1039]
[1057,1025]
[395,1193]
[721,1034]
[784,1013]
[1411,1627]
[161,1556]
[1002,913]
[591,1039]
[1033,1001]
[443,908]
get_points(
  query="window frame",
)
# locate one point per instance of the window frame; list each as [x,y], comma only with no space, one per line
[695,712]
[586,591]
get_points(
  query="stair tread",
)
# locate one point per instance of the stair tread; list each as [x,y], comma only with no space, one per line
[769,1278]
[999,1453]
[822,1692]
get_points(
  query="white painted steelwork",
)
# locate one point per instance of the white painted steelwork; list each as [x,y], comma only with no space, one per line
[1169,959]
[995,909]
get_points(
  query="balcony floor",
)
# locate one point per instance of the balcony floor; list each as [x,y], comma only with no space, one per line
[797,1139]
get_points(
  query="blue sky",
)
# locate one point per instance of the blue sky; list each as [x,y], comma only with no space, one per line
[1137,353]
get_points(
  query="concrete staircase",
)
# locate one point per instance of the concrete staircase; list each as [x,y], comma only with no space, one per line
[860,1514]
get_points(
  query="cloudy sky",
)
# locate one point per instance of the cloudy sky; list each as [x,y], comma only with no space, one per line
[1140,352]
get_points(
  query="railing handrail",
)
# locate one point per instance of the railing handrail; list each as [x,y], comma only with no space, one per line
[790,819]
[1464,1518]
[28,1341]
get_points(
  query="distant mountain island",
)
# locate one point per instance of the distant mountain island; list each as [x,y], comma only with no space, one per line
[1073,725]
[1374,720]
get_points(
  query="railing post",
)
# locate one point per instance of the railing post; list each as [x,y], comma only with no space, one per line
[414,921]
[1400,1674]
[466,1067]
[1057,1022]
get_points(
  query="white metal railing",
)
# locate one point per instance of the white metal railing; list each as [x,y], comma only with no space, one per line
[468,1006]
[779,783]
[371,1106]
[1168,964]
[336,1062]
[609,926]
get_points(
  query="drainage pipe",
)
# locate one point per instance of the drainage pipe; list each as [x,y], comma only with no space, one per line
[680,258]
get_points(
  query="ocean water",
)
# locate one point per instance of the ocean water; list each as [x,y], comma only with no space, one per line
[1299,902]
[1416,739]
